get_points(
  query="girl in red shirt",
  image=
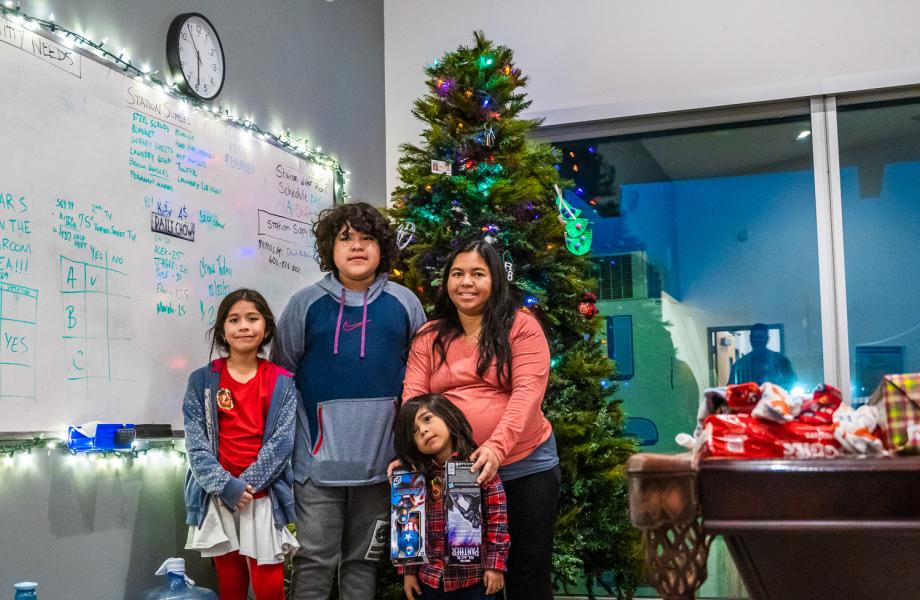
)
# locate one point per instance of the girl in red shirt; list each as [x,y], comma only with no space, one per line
[239,420]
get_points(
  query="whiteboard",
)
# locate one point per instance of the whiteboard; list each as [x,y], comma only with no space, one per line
[126,215]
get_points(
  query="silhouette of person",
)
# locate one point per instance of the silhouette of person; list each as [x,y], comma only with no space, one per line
[760,364]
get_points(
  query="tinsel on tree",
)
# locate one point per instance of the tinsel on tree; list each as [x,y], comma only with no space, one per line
[498,185]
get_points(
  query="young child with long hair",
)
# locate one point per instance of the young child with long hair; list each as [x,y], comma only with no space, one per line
[239,413]
[429,431]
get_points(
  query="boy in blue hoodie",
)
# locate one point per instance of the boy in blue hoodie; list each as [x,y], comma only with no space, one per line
[345,339]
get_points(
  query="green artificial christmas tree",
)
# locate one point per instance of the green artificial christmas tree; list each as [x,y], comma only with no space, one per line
[491,182]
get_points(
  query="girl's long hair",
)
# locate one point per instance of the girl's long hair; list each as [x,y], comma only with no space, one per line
[216,332]
[461,433]
[497,317]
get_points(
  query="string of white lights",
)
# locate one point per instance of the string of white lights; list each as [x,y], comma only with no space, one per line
[122,60]
[20,453]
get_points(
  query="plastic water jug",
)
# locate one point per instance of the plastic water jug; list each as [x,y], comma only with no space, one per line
[26,590]
[177,586]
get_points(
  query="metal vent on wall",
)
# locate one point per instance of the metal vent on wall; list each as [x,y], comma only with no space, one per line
[614,275]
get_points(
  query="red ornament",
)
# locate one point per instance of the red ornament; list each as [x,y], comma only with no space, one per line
[587,306]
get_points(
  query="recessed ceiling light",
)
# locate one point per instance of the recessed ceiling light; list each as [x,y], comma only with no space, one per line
[803,134]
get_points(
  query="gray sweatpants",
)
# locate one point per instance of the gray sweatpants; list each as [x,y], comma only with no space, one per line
[344,527]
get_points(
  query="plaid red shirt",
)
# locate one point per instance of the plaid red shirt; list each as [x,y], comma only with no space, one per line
[495,539]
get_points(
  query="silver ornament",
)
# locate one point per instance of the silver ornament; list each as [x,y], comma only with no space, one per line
[405,233]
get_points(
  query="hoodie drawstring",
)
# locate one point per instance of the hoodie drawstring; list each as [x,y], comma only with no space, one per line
[338,324]
[363,324]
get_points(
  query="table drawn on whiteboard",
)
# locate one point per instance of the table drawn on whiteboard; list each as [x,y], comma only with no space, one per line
[90,297]
[18,321]
[18,303]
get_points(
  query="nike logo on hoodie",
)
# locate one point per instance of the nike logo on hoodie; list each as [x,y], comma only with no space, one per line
[346,327]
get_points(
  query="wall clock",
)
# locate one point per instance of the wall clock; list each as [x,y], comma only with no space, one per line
[195,56]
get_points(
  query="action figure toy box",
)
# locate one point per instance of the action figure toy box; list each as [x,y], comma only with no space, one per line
[407,518]
[463,503]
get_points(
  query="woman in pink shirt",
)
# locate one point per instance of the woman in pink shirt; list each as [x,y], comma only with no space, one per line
[490,358]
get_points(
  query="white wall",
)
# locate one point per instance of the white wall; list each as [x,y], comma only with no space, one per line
[600,59]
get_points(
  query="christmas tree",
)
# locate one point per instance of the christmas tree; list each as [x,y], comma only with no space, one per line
[491,182]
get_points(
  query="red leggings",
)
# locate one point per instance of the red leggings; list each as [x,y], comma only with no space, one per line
[234,572]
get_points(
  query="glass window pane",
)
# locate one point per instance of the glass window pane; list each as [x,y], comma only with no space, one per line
[880,190]
[698,236]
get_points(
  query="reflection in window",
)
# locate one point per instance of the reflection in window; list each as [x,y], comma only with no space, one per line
[880,192]
[699,229]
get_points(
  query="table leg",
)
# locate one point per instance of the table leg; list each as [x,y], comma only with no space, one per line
[675,558]
[664,506]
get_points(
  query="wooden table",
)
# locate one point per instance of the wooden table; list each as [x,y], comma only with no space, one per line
[843,529]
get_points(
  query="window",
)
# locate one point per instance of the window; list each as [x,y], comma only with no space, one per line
[695,229]
[880,196]
[718,243]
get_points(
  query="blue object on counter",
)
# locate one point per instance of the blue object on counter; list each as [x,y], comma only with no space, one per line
[101,436]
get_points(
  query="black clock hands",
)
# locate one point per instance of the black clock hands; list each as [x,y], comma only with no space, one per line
[197,54]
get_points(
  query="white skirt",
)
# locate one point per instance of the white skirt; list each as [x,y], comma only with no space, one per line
[250,531]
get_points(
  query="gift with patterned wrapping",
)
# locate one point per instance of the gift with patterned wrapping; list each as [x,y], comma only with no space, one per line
[897,399]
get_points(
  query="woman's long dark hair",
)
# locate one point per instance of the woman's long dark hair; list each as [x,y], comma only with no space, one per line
[461,433]
[497,317]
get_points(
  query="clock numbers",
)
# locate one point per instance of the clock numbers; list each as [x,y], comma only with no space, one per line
[198,58]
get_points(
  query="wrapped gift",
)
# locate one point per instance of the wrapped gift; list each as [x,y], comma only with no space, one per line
[744,436]
[898,401]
